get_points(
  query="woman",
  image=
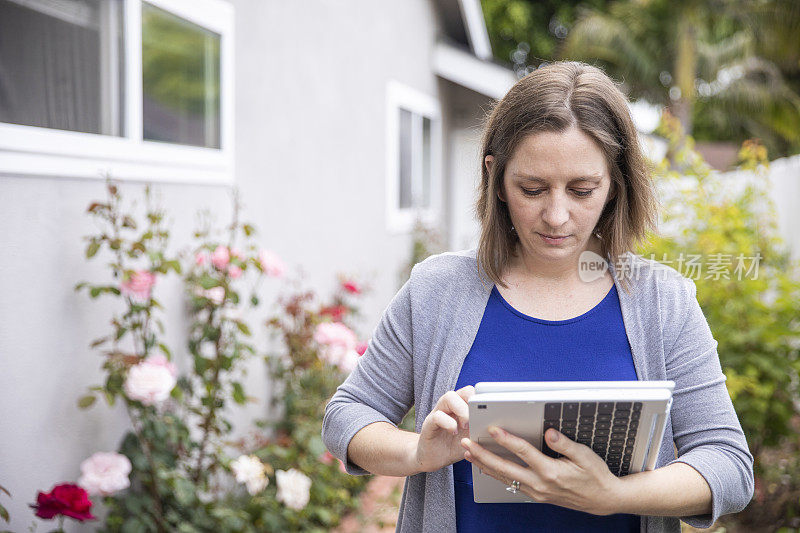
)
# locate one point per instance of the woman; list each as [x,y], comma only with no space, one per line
[562,179]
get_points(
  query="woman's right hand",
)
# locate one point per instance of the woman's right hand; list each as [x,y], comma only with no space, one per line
[439,442]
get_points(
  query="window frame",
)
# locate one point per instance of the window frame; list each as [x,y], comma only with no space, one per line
[40,151]
[400,96]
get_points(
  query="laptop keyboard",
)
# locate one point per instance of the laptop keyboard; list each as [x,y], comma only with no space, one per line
[608,428]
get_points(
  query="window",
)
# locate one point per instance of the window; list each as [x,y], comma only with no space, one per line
[413,163]
[131,88]
[60,65]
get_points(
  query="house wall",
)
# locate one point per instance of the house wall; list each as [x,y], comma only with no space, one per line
[310,165]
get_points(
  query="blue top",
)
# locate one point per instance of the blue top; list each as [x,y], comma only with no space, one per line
[512,346]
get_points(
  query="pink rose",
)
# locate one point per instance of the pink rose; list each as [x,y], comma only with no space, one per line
[139,285]
[200,258]
[361,347]
[221,257]
[215,294]
[351,287]
[271,264]
[327,458]
[234,272]
[348,361]
[337,345]
[151,381]
[105,473]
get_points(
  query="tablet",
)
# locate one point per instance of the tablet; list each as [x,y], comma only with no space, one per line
[622,422]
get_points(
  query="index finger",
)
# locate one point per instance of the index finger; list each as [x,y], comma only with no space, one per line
[453,403]
[466,392]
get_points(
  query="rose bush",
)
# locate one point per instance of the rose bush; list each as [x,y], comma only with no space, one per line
[181,475]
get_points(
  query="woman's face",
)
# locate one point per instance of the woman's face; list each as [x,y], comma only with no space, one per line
[556,186]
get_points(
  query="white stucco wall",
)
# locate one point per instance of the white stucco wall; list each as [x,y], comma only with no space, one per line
[310,111]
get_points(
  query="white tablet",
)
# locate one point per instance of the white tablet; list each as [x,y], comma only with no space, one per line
[623,422]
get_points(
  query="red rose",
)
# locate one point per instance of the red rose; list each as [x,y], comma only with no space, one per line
[351,287]
[336,312]
[65,499]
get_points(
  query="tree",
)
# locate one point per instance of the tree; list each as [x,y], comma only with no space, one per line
[729,70]
[700,59]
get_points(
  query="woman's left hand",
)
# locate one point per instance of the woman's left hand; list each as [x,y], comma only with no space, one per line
[580,480]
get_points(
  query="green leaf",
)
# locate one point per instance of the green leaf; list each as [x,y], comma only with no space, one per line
[207,282]
[92,249]
[241,326]
[174,265]
[4,514]
[86,401]
[248,229]
[238,393]
[165,350]
[254,300]
[95,292]
[98,342]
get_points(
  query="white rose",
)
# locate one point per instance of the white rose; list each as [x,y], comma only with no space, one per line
[105,473]
[248,469]
[293,488]
[151,381]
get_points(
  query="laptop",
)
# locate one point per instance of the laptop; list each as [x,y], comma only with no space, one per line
[621,421]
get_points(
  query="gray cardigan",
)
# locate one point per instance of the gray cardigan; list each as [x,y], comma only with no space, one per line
[420,343]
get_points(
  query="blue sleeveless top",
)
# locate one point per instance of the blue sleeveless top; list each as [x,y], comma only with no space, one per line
[512,346]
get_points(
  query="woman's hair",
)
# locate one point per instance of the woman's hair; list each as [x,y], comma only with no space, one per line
[552,99]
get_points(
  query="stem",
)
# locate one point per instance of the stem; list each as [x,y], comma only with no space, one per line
[210,416]
[212,407]
[153,485]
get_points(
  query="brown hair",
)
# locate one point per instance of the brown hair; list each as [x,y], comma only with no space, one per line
[552,99]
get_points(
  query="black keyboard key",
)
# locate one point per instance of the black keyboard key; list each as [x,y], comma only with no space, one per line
[616,442]
[569,424]
[584,434]
[615,448]
[603,425]
[605,408]
[552,411]
[586,420]
[599,449]
[634,417]
[637,406]
[622,413]
[631,433]
[623,405]
[602,432]
[569,433]
[547,450]
[606,417]
[570,411]
[585,441]
[550,424]
[588,409]
[585,427]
